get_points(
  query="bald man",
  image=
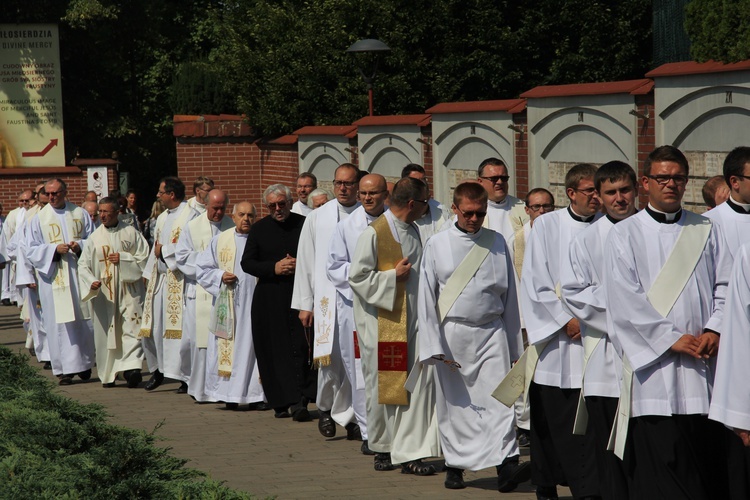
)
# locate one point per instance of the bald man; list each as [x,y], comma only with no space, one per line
[195,238]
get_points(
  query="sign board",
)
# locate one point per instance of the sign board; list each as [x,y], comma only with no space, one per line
[31,124]
[98,181]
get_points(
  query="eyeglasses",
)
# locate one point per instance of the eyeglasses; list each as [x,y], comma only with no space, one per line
[339,184]
[56,193]
[588,191]
[546,206]
[422,201]
[742,176]
[24,200]
[365,194]
[471,213]
[279,205]
[663,180]
[161,193]
[493,179]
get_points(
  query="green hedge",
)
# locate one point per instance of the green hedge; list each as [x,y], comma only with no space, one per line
[54,447]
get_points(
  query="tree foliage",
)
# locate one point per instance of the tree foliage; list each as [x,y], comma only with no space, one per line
[287,66]
[127,67]
[716,28]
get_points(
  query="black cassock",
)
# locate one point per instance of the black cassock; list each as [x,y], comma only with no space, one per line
[278,337]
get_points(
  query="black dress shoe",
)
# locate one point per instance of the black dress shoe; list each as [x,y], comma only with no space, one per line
[326,425]
[301,414]
[65,379]
[47,365]
[156,379]
[134,378]
[231,406]
[183,388]
[352,432]
[281,413]
[365,449]
[6,302]
[259,406]
[512,473]
[85,375]
[454,478]
[109,385]
[546,493]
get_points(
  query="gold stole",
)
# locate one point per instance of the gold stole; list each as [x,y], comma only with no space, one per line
[201,234]
[109,275]
[53,235]
[226,249]
[174,285]
[393,353]
[147,321]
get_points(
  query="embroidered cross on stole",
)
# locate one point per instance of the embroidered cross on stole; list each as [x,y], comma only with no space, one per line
[393,351]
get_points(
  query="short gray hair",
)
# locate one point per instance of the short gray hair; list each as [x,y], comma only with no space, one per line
[277,189]
[318,192]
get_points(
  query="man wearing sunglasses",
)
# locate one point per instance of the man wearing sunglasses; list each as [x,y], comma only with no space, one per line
[474,322]
[504,212]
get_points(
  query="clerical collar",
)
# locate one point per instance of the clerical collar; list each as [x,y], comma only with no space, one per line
[371,218]
[615,221]
[498,204]
[465,231]
[580,218]
[740,208]
[663,217]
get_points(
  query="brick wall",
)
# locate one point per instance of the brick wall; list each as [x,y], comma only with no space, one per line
[15,180]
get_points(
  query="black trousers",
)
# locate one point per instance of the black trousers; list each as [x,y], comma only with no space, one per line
[613,479]
[676,457]
[557,455]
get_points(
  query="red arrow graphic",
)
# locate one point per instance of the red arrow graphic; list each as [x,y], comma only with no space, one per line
[43,152]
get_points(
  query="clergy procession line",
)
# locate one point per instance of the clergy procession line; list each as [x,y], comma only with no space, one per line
[406,323]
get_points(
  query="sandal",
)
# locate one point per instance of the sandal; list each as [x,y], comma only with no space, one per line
[383,462]
[418,468]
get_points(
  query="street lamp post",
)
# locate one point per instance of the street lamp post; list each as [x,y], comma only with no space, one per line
[371,46]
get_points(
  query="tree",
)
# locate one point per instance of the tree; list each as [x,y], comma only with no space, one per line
[716,28]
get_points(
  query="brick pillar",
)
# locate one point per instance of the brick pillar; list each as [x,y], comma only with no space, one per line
[646,139]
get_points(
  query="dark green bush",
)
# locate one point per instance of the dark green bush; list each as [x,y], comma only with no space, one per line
[54,447]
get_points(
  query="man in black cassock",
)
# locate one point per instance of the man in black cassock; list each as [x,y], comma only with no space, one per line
[282,346]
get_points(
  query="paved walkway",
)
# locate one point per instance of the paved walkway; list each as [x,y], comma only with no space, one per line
[256,453]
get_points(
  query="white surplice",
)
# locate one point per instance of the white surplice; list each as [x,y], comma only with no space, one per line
[560,363]
[340,253]
[506,216]
[734,226]
[407,432]
[482,332]
[664,382]
[244,385]
[164,354]
[195,238]
[583,294]
[13,220]
[313,288]
[117,305]
[301,208]
[730,399]
[71,344]
[431,222]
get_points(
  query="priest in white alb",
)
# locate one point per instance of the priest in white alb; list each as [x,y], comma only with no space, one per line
[232,374]
[470,330]
[315,298]
[194,239]
[54,242]
[554,358]
[373,194]
[665,282]
[161,326]
[306,184]
[583,295]
[384,276]
[110,275]
[733,216]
